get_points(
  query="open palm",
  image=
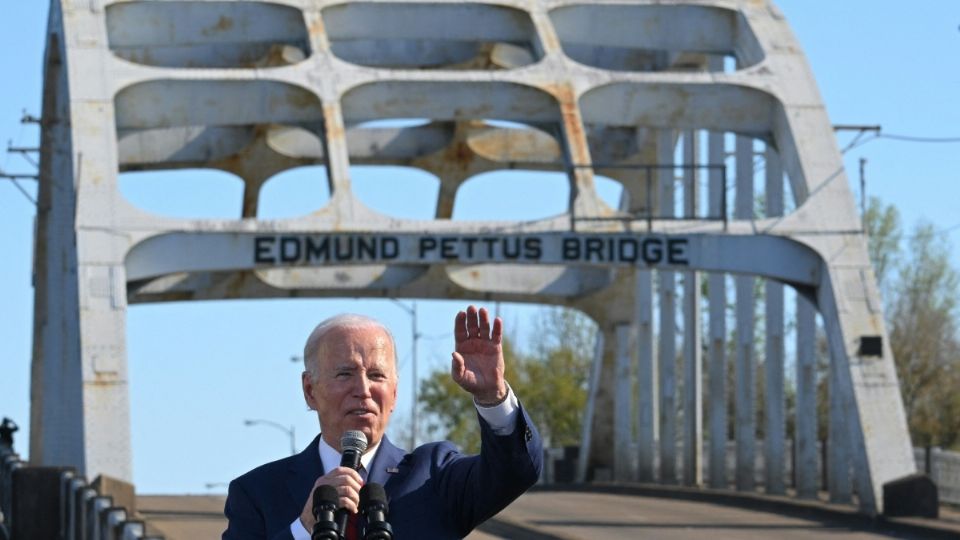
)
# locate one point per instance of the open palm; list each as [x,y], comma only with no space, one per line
[477,364]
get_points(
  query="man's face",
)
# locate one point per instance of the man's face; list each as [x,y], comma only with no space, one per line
[355,387]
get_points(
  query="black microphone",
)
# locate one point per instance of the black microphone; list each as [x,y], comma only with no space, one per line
[352,445]
[324,505]
[373,506]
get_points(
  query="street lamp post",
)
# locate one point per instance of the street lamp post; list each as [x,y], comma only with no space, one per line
[412,311]
[288,430]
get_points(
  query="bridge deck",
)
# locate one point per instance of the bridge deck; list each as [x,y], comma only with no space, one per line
[570,515]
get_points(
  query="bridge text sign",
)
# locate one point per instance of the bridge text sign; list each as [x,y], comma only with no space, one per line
[580,248]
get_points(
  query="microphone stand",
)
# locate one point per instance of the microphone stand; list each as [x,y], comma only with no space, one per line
[374,508]
[324,506]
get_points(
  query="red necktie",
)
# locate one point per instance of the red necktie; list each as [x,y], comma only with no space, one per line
[353,527]
[353,521]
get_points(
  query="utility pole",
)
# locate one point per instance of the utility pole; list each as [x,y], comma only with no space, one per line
[414,421]
[857,127]
[863,188]
[416,390]
[24,152]
[861,130]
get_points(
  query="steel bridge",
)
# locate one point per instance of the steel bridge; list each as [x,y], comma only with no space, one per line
[685,103]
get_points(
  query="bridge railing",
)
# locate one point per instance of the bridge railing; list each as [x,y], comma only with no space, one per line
[53,503]
[702,187]
[942,466]
[688,182]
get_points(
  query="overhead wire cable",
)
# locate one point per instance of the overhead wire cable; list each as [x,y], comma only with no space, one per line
[22,190]
[14,178]
[912,138]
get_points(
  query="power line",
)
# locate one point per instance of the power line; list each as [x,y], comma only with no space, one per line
[15,178]
[27,118]
[876,133]
[859,141]
[912,138]
[24,153]
[934,232]
[948,229]
[16,183]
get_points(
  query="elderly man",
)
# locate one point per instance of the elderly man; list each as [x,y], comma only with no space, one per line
[435,492]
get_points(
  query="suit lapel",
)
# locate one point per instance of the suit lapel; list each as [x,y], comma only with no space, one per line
[387,458]
[306,467]
[304,470]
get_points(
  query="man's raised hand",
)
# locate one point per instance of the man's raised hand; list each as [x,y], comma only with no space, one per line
[477,364]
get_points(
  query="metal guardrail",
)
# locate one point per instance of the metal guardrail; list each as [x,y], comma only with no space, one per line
[943,466]
[9,462]
[82,512]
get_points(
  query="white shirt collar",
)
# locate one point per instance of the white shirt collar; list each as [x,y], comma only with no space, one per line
[330,458]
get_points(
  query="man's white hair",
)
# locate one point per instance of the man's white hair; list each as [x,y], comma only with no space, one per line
[351,321]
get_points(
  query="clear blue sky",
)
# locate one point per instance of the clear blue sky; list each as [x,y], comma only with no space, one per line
[198,370]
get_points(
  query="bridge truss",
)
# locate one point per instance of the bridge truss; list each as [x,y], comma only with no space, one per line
[685,103]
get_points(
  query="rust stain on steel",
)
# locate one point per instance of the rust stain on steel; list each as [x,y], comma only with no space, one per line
[300,99]
[459,154]
[547,35]
[104,378]
[223,24]
[332,122]
[137,55]
[572,122]
[234,163]
[504,145]
[445,202]
[481,111]
[277,54]
[251,199]
[316,27]
[235,285]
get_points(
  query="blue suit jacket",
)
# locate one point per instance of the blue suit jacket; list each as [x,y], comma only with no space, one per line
[435,492]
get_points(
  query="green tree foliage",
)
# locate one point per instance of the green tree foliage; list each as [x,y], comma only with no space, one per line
[882,224]
[554,393]
[551,381]
[921,308]
[923,334]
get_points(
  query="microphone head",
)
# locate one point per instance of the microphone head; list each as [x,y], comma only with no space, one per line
[373,494]
[353,440]
[325,495]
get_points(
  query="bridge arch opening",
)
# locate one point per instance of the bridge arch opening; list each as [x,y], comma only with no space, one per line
[655,37]
[207,34]
[412,35]
[293,193]
[184,193]
[400,192]
[512,190]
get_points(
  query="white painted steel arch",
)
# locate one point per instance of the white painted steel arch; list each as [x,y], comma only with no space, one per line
[256,88]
